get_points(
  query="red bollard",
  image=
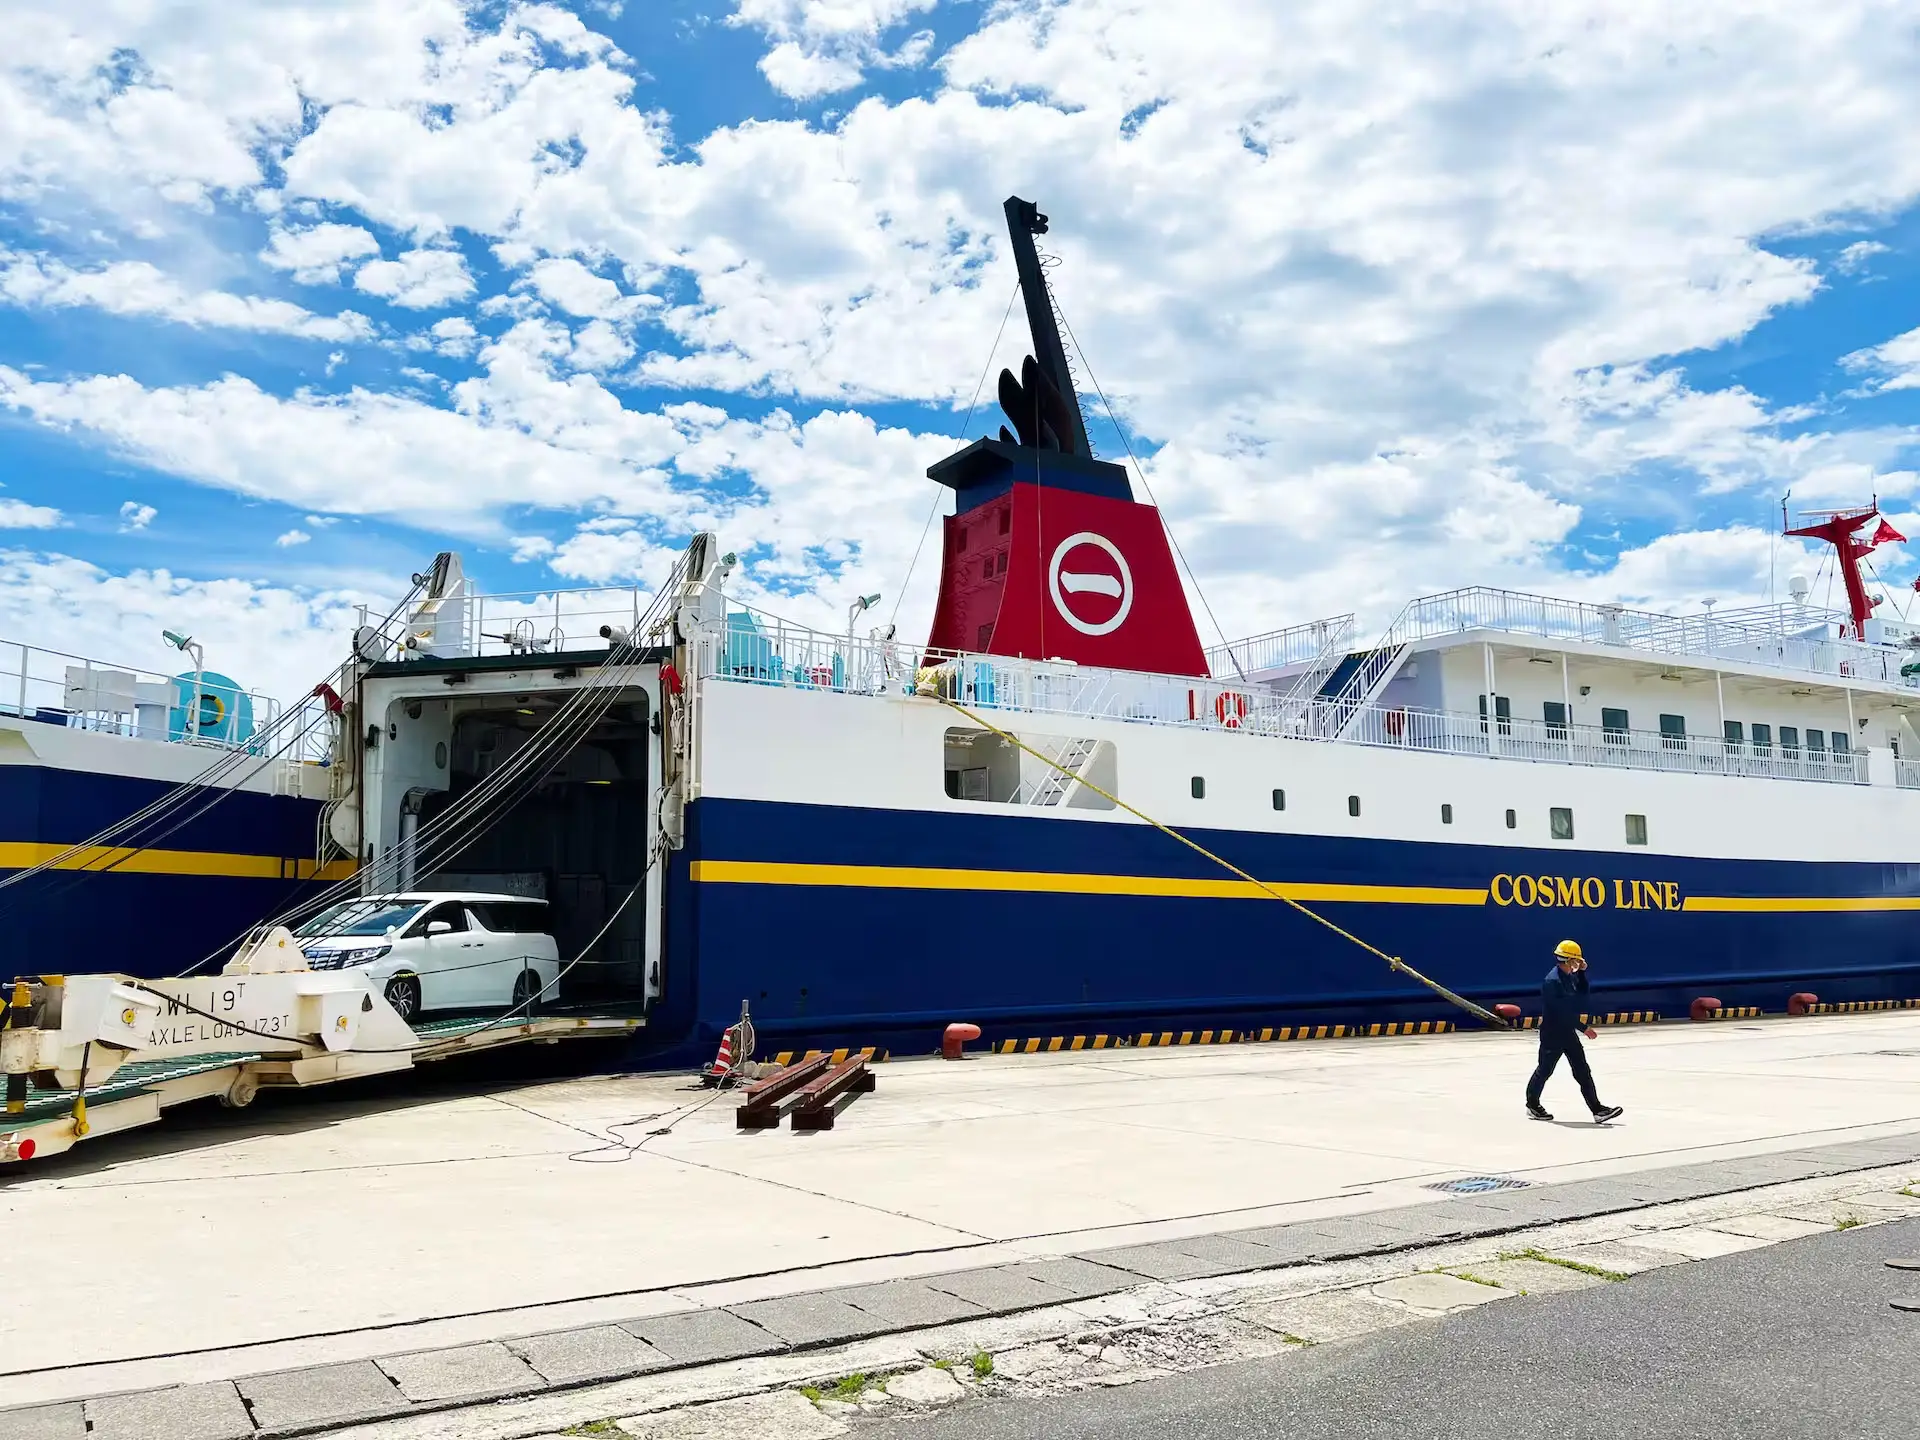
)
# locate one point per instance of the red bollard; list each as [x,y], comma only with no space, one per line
[956,1036]
[1704,1008]
[1508,1013]
[1802,1004]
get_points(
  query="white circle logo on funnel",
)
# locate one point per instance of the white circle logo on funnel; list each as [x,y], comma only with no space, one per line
[1099,572]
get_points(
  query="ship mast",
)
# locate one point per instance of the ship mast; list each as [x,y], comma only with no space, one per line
[1024,221]
[1837,528]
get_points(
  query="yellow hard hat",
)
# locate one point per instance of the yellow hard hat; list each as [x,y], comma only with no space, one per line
[1569,950]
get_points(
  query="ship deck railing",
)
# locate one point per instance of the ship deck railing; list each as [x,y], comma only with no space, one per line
[760,649]
[1798,638]
[82,692]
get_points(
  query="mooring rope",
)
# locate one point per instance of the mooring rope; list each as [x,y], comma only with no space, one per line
[1393,961]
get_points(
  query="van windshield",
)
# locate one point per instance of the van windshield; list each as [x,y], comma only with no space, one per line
[361,916]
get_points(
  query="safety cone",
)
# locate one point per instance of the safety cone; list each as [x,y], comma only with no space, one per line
[722,1065]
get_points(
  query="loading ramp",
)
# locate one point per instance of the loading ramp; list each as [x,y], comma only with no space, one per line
[92,1055]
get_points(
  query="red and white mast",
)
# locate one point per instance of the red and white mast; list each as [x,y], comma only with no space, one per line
[1839,529]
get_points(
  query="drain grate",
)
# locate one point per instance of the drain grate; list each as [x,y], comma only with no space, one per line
[1479,1184]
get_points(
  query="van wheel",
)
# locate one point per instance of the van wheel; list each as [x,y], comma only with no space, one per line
[526,992]
[403,994]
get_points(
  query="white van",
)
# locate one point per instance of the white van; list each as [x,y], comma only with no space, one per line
[441,950]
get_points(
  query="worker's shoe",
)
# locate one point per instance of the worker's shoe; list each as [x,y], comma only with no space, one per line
[1612,1112]
[1539,1112]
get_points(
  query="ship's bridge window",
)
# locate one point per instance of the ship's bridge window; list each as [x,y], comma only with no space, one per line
[1673,731]
[983,768]
[1735,736]
[1816,743]
[1636,829]
[1613,726]
[1560,822]
[1762,739]
[1554,712]
[1841,744]
[1790,741]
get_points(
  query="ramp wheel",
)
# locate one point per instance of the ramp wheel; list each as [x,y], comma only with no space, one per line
[403,994]
[241,1092]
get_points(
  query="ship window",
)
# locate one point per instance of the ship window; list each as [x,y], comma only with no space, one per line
[986,568]
[1841,745]
[1199,787]
[1555,714]
[1001,564]
[1673,731]
[1279,799]
[1513,821]
[1636,829]
[1762,738]
[960,538]
[1502,714]
[1446,814]
[1560,822]
[1736,735]
[1006,519]
[1816,742]
[984,638]
[983,768]
[1613,726]
[1790,741]
[1353,804]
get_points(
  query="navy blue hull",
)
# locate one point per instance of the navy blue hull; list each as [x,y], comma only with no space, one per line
[884,963]
[223,863]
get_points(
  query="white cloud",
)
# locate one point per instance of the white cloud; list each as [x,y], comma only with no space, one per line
[825,46]
[1855,257]
[18,515]
[290,538]
[1894,365]
[134,287]
[530,547]
[316,253]
[574,288]
[418,280]
[135,516]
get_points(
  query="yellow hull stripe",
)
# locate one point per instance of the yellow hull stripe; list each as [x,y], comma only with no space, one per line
[22,854]
[1047,882]
[1781,904]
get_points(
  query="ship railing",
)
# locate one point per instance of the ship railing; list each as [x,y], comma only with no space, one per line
[1906,774]
[1598,745]
[1785,637]
[760,649]
[1292,649]
[80,692]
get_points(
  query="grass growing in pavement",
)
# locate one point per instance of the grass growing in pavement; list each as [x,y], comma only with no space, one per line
[1846,1222]
[1480,1280]
[982,1364]
[594,1427]
[1292,1339]
[1597,1271]
[943,1365]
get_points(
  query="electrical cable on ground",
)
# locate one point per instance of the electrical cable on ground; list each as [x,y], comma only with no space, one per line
[1393,961]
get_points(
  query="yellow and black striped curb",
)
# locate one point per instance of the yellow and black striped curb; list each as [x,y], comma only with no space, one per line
[840,1056]
[1738,1012]
[1855,1007]
[1048,1044]
[1617,1017]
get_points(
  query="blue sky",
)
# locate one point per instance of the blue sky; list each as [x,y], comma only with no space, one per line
[1388,301]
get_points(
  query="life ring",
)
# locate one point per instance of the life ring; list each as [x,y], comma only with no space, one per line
[1230,706]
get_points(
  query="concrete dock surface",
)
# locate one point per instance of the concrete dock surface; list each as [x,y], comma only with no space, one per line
[342,1228]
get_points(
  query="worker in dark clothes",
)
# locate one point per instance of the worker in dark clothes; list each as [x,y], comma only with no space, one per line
[1564,1002]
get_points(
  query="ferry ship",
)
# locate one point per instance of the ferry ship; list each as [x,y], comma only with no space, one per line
[862,840]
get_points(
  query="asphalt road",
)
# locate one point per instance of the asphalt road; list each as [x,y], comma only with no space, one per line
[1795,1340]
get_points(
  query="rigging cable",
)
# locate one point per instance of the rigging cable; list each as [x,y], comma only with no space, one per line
[1165,524]
[1393,961]
[940,491]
